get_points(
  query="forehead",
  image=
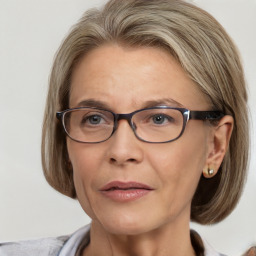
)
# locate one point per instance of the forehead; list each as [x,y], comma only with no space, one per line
[127,77]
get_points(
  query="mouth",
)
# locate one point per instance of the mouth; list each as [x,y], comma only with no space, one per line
[125,191]
[118,185]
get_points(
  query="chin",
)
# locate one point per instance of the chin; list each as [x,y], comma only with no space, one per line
[126,230]
[128,225]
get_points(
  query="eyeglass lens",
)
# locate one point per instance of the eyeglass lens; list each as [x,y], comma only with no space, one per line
[152,125]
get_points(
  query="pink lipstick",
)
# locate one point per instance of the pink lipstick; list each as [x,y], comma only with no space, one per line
[125,191]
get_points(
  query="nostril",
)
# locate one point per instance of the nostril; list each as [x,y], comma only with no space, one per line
[112,160]
[131,160]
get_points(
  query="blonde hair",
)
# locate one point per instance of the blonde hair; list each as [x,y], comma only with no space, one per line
[206,53]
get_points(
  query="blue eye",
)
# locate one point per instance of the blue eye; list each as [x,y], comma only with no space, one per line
[91,120]
[160,119]
[95,119]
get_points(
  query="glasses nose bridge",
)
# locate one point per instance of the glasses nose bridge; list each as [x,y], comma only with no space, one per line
[127,117]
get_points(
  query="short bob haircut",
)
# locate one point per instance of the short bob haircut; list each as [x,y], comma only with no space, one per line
[203,49]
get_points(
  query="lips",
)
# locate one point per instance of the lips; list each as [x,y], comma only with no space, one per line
[114,185]
[125,191]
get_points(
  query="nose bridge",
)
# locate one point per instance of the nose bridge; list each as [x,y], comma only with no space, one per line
[124,147]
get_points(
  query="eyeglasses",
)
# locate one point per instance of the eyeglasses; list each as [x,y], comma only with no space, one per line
[154,125]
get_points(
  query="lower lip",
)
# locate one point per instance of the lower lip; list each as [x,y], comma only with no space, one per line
[125,195]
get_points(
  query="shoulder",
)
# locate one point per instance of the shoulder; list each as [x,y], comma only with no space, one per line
[203,248]
[62,246]
[251,252]
[45,246]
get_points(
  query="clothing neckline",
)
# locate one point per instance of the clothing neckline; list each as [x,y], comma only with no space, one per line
[81,238]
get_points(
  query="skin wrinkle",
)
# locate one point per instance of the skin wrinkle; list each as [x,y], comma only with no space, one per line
[172,169]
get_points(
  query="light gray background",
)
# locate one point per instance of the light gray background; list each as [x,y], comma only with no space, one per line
[30,32]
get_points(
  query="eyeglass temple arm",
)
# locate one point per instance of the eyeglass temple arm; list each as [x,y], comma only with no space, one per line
[206,115]
[59,115]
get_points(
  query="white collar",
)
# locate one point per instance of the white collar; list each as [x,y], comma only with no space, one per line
[72,244]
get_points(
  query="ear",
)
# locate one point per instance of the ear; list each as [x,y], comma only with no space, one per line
[218,145]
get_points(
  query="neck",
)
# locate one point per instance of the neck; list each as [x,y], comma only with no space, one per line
[168,240]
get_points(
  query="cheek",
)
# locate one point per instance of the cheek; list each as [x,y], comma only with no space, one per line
[178,158]
[85,162]
[85,158]
[179,166]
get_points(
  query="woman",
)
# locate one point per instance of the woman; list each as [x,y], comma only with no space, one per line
[146,125]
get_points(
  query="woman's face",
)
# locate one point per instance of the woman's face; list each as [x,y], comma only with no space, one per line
[126,185]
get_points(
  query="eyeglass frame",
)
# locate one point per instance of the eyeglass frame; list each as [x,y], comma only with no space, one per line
[210,115]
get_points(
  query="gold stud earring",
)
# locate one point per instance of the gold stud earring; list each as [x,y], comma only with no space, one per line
[208,172]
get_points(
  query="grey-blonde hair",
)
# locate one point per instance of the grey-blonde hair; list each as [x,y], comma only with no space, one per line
[203,49]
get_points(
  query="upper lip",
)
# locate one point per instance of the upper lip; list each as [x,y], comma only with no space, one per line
[125,185]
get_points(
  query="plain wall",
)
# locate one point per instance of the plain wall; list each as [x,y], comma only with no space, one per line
[30,33]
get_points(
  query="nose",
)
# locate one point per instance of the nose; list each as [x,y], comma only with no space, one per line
[124,147]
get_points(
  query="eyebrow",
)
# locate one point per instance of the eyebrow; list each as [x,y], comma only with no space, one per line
[94,103]
[163,102]
[148,104]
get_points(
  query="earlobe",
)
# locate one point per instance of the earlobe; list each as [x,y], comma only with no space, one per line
[219,145]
